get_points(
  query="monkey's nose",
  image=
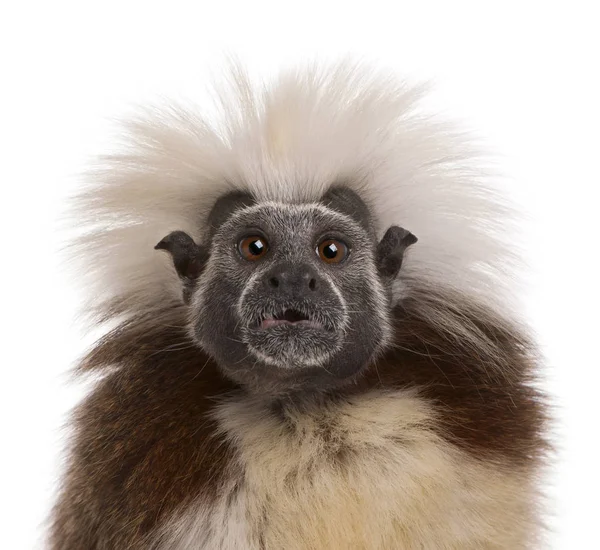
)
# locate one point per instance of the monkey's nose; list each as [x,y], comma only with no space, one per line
[292,280]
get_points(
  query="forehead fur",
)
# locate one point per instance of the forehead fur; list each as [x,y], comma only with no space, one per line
[285,218]
[340,199]
[290,140]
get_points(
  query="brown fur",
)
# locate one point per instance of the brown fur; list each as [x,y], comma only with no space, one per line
[487,402]
[146,444]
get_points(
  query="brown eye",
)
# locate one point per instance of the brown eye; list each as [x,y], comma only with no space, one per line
[253,248]
[332,251]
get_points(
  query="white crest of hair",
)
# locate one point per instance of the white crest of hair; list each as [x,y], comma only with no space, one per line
[289,140]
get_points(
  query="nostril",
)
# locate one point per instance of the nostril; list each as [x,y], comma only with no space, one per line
[274,282]
[312,284]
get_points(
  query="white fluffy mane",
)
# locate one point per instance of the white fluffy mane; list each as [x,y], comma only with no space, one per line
[289,140]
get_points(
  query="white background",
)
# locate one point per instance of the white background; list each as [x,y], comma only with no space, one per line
[523,74]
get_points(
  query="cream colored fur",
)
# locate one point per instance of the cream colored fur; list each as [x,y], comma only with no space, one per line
[377,477]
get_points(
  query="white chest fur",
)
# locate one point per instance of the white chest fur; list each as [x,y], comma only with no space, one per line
[369,473]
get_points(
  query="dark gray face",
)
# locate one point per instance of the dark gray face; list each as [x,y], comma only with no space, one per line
[290,296]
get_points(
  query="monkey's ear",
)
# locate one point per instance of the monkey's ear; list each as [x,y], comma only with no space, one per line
[188,257]
[390,251]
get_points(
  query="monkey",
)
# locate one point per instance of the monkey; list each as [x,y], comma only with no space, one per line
[313,336]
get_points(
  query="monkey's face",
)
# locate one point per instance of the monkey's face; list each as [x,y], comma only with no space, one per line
[291,296]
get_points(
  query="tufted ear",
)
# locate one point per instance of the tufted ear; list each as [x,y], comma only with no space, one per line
[390,251]
[188,257]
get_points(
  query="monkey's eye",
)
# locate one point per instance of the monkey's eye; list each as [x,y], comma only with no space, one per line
[332,251]
[253,248]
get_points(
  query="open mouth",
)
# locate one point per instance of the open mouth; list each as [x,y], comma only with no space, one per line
[290,317]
